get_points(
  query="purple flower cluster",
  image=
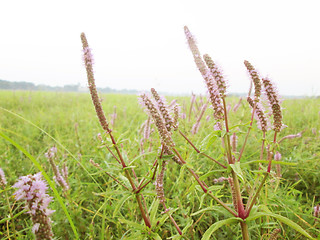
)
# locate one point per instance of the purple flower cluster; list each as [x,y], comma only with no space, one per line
[217,74]
[87,56]
[255,79]
[158,120]
[273,99]
[32,189]
[60,179]
[163,109]
[3,180]
[212,86]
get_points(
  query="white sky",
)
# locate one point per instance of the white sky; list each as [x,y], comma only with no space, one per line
[141,44]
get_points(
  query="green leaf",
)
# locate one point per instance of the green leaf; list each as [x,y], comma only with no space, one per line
[281,219]
[208,140]
[240,125]
[120,203]
[273,162]
[214,227]
[153,210]
[212,208]
[188,225]
[237,169]
[166,216]
[156,236]
[134,225]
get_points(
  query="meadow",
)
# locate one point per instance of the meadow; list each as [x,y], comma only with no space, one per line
[98,204]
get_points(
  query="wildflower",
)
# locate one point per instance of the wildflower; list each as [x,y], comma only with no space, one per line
[196,126]
[274,234]
[32,189]
[274,102]
[59,179]
[51,152]
[172,104]
[159,183]
[234,141]
[314,131]
[220,179]
[206,74]
[176,117]
[217,126]
[94,163]
[99,136]
[298,135]
[158,120]
[3,181]
[256,80]
[316,211]
[193,100]
[235,108]
[88,61]
[163,109]
[146,132]
[277,156]
[216,73]
[263,123]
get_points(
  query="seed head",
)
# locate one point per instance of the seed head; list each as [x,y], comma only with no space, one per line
[61,180]
[263,123]
[163,109]
[274,103]
[216,73]
[256,80]
[274,234]
[165,135]
[207,76]
[88,61]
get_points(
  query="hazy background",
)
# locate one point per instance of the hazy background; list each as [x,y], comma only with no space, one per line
[141,44]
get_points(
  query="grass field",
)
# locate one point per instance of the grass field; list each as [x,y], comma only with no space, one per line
[98,207]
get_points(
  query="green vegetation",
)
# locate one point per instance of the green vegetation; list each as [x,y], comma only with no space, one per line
[100,208]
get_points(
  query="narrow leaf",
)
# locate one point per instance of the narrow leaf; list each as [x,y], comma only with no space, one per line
[214,227]
[281,219]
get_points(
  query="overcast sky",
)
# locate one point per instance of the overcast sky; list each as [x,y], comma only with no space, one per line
[141,44]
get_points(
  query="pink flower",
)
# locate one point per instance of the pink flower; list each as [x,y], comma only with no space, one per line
[87,56]
[3,180]
[32,189]
[277,156]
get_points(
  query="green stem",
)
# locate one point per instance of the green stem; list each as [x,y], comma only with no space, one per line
[246,139]
[244,230]
[141,207]
[11,215]
[252,202]
[262,145]
[230,161]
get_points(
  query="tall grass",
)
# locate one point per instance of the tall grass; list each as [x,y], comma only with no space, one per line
[93,204]
[194,174]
